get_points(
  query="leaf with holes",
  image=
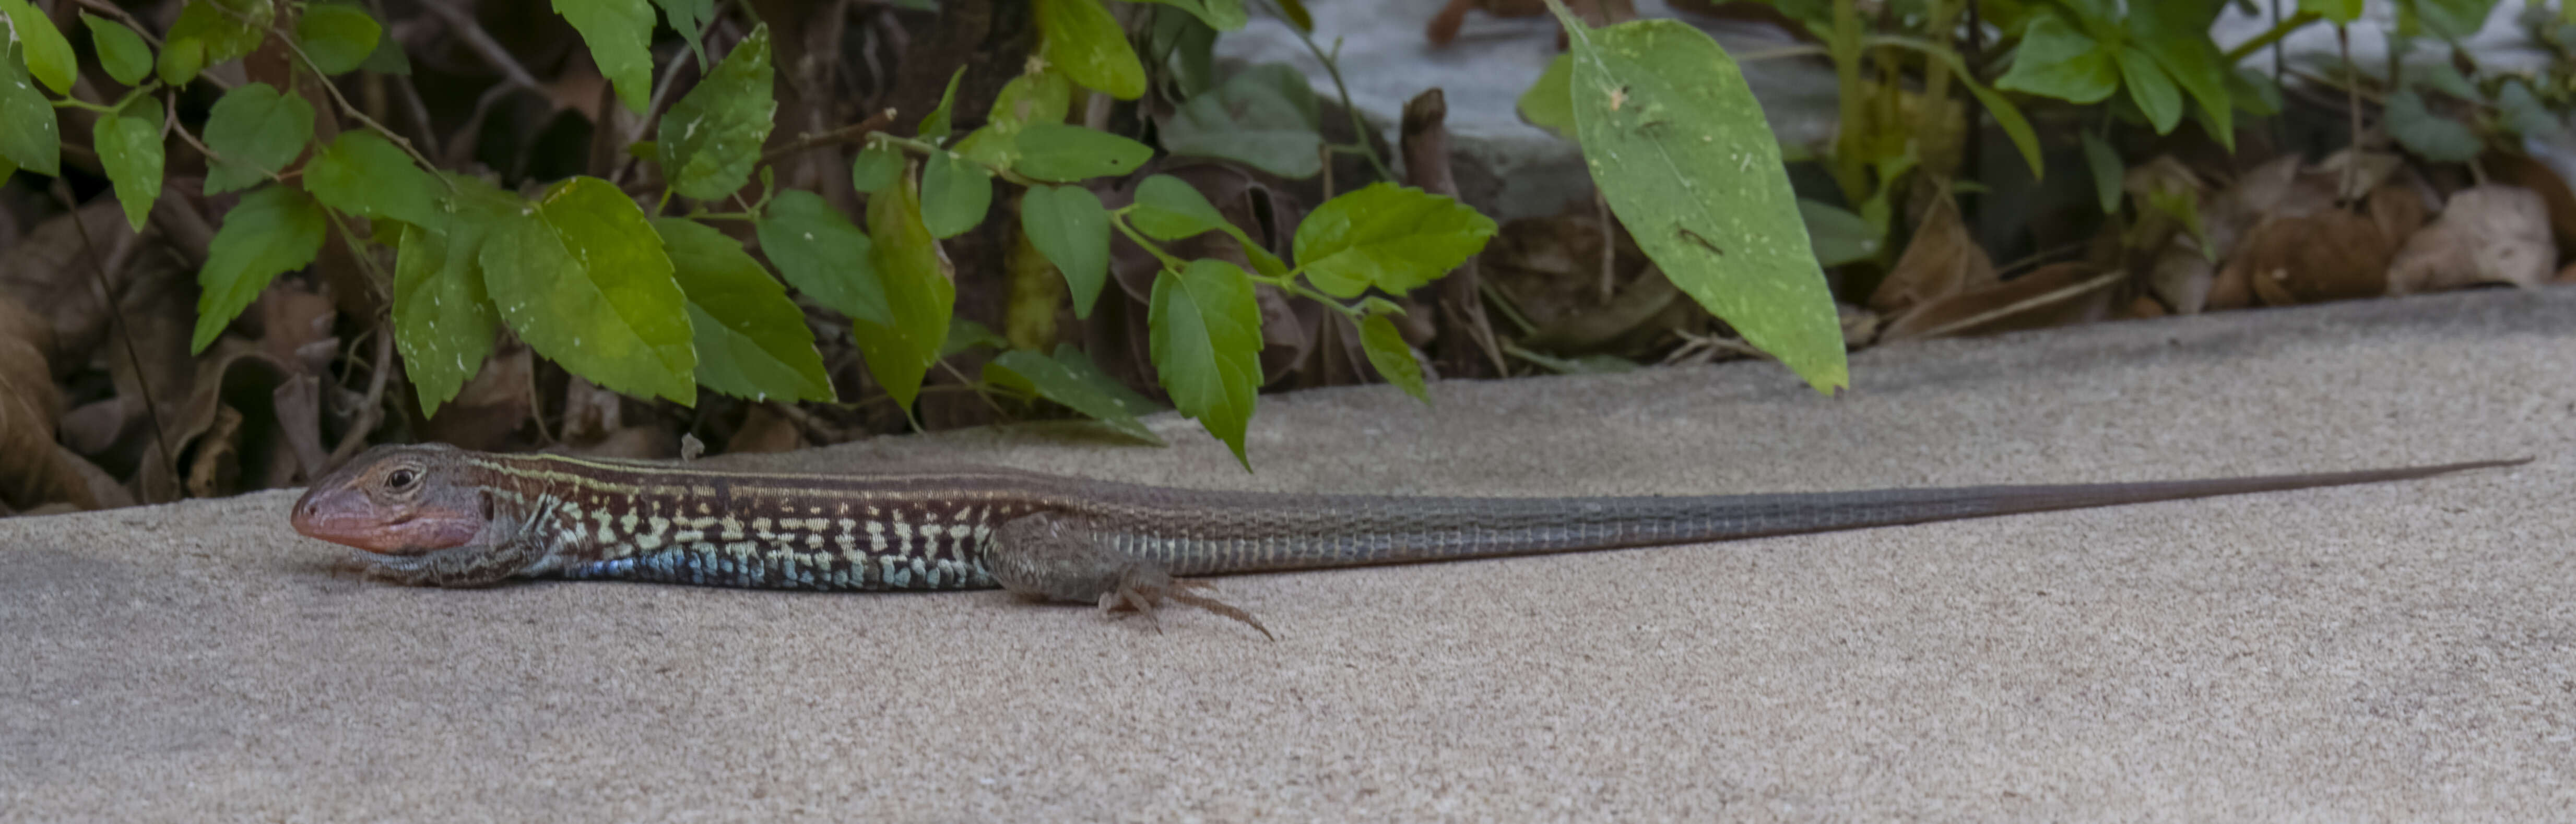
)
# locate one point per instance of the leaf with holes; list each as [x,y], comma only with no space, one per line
[273,230]
[1204,328]
[1682,153]
[1071,379]
[711,138]
[752,341]
[255,132]
[581,276]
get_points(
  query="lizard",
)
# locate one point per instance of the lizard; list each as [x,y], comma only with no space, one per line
[436,515]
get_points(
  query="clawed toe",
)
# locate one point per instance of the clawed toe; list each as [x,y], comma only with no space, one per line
[1146,599]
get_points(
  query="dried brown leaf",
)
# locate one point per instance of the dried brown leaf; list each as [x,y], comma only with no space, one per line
[2529,173]
[2487,234]
[2330,255]
[1942,260]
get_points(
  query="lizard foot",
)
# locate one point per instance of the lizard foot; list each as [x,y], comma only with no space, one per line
[1061,558]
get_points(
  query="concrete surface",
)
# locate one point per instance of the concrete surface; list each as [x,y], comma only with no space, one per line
[2403,652]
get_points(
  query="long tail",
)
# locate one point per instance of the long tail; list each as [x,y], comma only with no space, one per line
[1257,533]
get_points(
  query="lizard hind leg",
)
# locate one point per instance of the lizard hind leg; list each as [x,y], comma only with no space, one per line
[1055,557]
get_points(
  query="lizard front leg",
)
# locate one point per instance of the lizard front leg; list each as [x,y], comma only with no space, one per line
[1056,557]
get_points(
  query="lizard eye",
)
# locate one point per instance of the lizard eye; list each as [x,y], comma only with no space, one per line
[400,478]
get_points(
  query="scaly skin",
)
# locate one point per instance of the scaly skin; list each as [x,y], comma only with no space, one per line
[439,516]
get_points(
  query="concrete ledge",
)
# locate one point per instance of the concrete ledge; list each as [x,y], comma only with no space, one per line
[2395,652]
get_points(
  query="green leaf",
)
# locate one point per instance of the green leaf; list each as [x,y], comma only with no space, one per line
[1386,236]
[7,167]
[444,320]
[1071,379]
[2451,20]
[965,334]
[1264,117]
[28,131]
[1042,97]
[2525,114]
[2338,12]
[955,194]
[1188,48]
[255,132]
[1168,209]
[934,127]
[1295,11]
[338,36]
[272,230]
[620,33]
[2057,61]
[752,341]
[129,146]
[1205,336]
[877,167]
[1221,15]
[2154,92]
[1392,356]
[180,61]
[388,58]
[1549,103]
[581,276]
[823,255]
[1680,149]
[1080,37]
[711,138]
[210,32]
[917,286]
[120,50]
[2187,55]
[49,56]
[1069,227]
[2436,138]
[2255,92]
[690,18]
[1836,235]
[1066,153]
[2108,171]
[363,174]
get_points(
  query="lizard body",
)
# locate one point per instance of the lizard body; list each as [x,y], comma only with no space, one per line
[440,516]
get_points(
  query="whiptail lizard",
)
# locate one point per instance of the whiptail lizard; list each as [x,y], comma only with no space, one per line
[440,516]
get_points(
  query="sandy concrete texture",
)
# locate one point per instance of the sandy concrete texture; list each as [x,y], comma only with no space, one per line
[2397,652]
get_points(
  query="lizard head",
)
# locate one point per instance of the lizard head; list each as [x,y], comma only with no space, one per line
[395,500]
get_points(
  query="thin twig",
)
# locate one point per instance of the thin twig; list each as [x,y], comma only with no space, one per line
[116,317]
[111,10]
[351,109]
[413,105]
[846,134]
[372,411]
[481,42]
